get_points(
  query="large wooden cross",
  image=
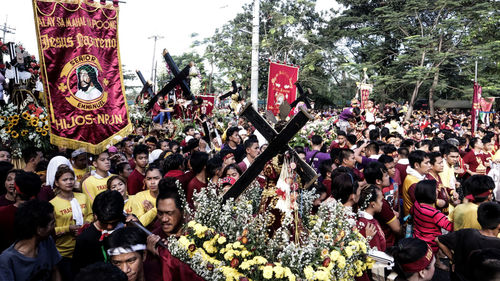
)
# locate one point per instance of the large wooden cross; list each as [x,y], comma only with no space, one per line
[278,143]
[146,86]
[179,79]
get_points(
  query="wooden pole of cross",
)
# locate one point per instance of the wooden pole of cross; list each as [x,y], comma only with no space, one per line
[278,144]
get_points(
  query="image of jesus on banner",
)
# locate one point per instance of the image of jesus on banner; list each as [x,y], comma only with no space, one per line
[89,87]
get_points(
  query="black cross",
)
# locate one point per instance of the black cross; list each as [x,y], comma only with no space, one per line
[277,144]
[306,172]
[302,96]
[146,86]
[179,79]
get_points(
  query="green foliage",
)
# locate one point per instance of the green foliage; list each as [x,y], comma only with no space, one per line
[408,46]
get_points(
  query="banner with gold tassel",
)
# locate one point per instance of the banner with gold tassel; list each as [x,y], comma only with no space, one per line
[82,74]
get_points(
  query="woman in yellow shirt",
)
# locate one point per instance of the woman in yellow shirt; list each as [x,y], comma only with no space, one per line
[71,211]
[119,184]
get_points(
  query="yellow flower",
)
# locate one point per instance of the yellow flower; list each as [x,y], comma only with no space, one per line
[348,251]
[334,255]
[259,260]
[183,241]
[279,271]
[362,246]
[221,240]
[26,115]
[16,117]
[7,131]
[34,122]
[44,133]
[341,262]
[15,122]
[322,275]
[309,272]
[289,274]
[246,265]
[14,134]
[11,118]
[3,118]
[39,130]
[24,132]
[46,126]
[267,272]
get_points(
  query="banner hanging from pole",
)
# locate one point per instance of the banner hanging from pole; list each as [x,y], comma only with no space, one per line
[281,85]
[476,106]
[208,104]
[81,70]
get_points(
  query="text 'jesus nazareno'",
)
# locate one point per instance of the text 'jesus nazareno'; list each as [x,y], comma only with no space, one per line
[89,119]
[80,40]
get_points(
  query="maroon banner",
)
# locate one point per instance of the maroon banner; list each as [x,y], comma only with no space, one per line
[476,106]
[281,85]
[486,104]
[81,69]
[208,104]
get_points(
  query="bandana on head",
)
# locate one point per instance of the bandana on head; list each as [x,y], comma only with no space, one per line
[125,250]
[419,264]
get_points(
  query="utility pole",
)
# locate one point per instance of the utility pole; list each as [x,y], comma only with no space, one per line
[153,74]
[6,29]
[254,83]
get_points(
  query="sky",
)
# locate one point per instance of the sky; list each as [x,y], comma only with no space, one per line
[140,19]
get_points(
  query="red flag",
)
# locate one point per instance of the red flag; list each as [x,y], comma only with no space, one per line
[82,73]
[476,99]
[486,104]
[208,104]
[281,85]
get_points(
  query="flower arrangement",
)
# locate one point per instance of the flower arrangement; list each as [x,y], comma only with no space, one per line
[229,241]
[24,128]
[138,116]
[321,126]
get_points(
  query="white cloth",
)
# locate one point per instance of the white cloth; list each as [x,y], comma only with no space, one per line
[77,211]
[155,154]
[413,172]
[54,163]
[91,94]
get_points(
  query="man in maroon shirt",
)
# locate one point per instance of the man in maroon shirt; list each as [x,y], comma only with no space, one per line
[27,187]
[161,265]
[135,181]
[174,168]
[198,163]
[474,158]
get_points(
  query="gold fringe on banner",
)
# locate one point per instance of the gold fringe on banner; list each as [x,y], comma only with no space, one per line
[92,148]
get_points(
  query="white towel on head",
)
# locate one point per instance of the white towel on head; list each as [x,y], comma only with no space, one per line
[77,211]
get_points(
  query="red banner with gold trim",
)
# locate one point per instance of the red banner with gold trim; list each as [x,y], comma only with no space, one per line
[281,85]
[81,70]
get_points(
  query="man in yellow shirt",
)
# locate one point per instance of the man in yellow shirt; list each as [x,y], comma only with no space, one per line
[451,156]
[97,182]
[144,203]
[479,189]
[418,169]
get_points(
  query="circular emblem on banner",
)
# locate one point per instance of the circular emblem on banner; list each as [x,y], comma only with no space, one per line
[82,83]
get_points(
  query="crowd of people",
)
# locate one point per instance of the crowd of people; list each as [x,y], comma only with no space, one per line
[423,189]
